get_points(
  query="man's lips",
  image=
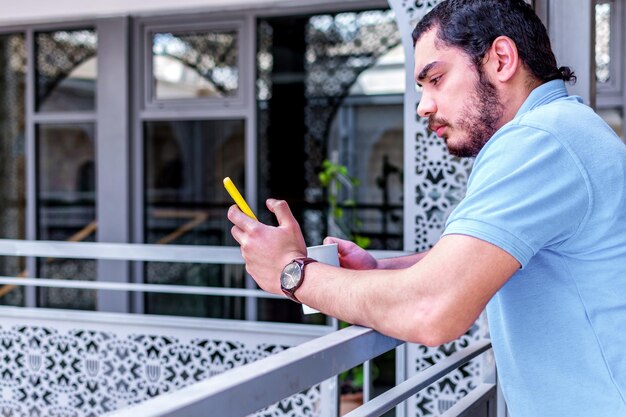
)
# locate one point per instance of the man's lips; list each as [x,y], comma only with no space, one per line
[438,129]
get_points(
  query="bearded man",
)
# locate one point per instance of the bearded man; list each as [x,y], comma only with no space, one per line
[539,239]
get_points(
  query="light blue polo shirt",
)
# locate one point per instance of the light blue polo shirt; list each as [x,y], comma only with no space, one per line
[550,189]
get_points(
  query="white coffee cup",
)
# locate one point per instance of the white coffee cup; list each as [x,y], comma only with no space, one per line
[326,254]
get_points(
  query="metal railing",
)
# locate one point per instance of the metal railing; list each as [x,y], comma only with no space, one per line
[249,388]
[265,381]
[132,252]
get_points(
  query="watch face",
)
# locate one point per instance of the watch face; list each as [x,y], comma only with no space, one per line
[290,277]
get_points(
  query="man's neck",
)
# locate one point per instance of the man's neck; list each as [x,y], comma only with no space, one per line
[513,97]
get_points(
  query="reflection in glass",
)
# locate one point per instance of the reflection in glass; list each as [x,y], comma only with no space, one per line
[66,70]
[307,67]
[193,65]
[185,163]
[12,159]
[603,42]
[386,76]
[66,207]
[374,155]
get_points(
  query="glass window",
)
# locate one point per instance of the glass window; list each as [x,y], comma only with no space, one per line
[603,42]
[185,163]
[66,70]
[608,50]
[308,67]
[314,104]
[12,158]
[195,64]
[373,154]
[66,208]
[386,76]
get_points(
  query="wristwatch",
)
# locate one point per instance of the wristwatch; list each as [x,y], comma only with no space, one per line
[292,276]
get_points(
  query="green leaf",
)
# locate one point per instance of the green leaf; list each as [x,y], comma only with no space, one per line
[359,378]
[362,241]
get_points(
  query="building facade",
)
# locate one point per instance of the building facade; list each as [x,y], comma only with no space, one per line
[118,122]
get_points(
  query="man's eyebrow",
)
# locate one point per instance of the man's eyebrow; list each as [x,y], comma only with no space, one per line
[424,72]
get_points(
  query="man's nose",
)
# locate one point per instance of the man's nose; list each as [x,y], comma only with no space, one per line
[426,106]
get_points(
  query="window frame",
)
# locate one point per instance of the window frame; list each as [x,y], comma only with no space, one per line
[611,93]
[124,51]
[144,109]
[33,119]
[150,102]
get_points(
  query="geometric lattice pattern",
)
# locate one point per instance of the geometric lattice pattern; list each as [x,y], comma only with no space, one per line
[12,157]
[440,396]
[440,182]
[59,53]
[86,373]
[434,186]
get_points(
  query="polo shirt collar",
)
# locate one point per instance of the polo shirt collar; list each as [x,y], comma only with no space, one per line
[545,93]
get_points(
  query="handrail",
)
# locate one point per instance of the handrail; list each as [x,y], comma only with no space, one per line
[134,252]
[465,407]
[264,382]
[269,380]
[134,287]
[122,251]
[249,388]
[125,252]
[406,389]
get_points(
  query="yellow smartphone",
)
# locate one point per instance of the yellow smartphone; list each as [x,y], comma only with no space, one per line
[236,195]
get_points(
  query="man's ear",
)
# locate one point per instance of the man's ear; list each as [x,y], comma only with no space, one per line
[503,59]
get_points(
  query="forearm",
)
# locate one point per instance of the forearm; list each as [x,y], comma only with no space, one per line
[401,262]
[387,301]
[433,302]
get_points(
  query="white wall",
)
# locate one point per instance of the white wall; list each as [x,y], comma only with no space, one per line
[35,11]
[571,26]
[32,11]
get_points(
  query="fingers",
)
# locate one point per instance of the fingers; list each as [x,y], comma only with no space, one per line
[245,228]
[239,218]
[342,245]
[331,239]
[238,235]
[281,210]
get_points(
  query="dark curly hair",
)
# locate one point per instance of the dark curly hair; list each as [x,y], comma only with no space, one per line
[473,25]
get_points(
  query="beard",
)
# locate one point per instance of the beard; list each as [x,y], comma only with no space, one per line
[479,119]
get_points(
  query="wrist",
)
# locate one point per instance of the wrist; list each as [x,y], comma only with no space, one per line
[293,275]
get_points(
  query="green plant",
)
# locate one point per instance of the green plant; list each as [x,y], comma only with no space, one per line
[335,178]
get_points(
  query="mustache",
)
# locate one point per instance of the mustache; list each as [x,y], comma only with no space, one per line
[435,121]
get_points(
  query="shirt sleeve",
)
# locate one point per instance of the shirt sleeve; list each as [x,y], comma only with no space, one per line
[527,191]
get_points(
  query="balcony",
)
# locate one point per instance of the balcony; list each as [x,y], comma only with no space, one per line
[79,363]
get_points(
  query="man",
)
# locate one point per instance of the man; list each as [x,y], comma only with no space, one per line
[540,235]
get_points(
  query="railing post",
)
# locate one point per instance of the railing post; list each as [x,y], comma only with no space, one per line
[367,381]
[401,409]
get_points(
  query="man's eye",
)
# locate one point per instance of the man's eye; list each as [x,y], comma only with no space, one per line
[435,80]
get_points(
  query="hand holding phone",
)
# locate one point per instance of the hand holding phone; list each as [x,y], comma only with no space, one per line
[239,200]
